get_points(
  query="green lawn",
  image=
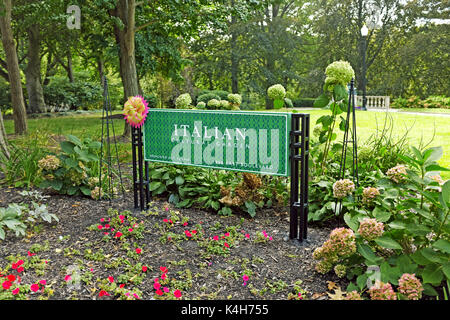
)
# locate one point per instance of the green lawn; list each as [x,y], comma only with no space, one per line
[422,127]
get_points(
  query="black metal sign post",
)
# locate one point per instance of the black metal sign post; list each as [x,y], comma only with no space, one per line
[140,171]
[298,205]
[299,155]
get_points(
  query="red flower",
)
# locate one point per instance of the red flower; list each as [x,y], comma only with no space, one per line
[34,287]
[103,293]
[30,254]
[227,234]
[163,269]
[15,291]
[118,234]
[159,292]
[19,263]
[165,220]
[185,224]
[156,285]
[11,278]
[6,285]
[216,238]
[20,269]
[67,277]
[226,245]
[111,279]
[100,227]
[14,266]
[194,231]
[163,276]
[138,250]
[122,285]
[177,293]
[144,269]
[187,233]
[43,282]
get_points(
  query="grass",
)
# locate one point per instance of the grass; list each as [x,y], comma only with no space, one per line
[423,129]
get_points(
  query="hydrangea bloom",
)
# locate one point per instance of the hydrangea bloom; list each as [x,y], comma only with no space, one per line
[343,188]
[276,92]
[410,286]
[49,163]
[339,72]
[235,99]
[201,105]
[213,103]
[353,295]
[340,270]
[370,229]
[397,173]
[183,101]
[135,111]
[96,193]
[369,194]
[341,244]
[382,291]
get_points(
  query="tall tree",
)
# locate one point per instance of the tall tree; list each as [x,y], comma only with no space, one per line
[18,104]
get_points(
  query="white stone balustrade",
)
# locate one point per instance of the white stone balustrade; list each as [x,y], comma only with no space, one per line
[374,102]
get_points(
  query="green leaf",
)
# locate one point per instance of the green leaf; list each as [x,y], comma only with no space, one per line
[435,167]
[417,153]
[251,208]
[183,203]
[442,245]
[72,190]
[71,163]
[2,233]
[74,140]
[446,191]
[432,273]
[435,154]
[367,253]
[85,190]
[429,290]
[56,184]
[361,280]
[340,92]
[387,242]
[67,147]
[352,222]
[419,258]
[446,269]
[179,180]
[154,185]
[381,215]
[322,101]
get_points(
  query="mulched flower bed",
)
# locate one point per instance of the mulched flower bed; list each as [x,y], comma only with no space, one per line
[164,253]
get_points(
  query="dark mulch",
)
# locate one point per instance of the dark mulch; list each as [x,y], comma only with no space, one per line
[275,265]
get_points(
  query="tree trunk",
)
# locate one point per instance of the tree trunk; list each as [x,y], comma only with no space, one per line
[70,67]
[36,101]
[3,142]
[234,56]
[125,10]
[18,104]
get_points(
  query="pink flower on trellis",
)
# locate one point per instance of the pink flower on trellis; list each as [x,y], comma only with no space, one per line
[135,111]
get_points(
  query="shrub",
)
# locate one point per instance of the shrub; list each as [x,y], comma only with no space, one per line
[152,100]
[222,94]
[201,105]
[442,102]
[235,99]
[303,103]
[213,104]
[206,97]
[288,103]
[183,101]
[224,104]
[276,92]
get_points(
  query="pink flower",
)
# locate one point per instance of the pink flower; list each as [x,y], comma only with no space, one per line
[185,224]
[11,278]
[159,292]
[111,279]
[107,226]
[138,250]
[194,231]
[15,291]
[177,294]
[187,233]
[121,217]
[156,285]
[264,233]
[216,238]
[34,287]
[118,234]
[102,219]
[245,277]
[43,282]
[166,208]
[30,254]
[100,227]
[6,285]
[130,229]
[165,220]
[122,285]
[20,269]
[247,236]
[163,276]
[103,293]
[166,290]
[156,280]
[227,234]
[135,296]
[144,269]
[67,277]
[226,245]
[163,269]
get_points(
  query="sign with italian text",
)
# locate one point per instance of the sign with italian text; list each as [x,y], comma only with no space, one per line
[256,142]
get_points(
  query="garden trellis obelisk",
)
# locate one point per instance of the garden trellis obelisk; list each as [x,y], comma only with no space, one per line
[350,129]
[107,159]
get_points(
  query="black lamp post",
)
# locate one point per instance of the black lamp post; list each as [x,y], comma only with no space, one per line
[364,32]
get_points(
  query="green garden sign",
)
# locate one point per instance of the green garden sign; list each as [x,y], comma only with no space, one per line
[242,141]
[271,143]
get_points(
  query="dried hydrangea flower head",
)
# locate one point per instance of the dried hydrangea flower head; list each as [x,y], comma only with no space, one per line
[397,173]
[49,163]
[369,194]
[370,229]
[382,291]
[410,286]
[135,111]
[343,188]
